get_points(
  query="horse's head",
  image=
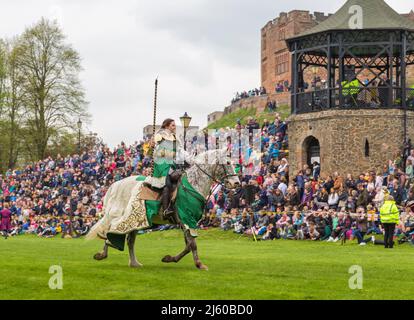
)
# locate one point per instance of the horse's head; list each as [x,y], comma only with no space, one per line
[218,167]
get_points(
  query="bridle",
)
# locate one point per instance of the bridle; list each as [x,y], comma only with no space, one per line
[223,179]
[219,182]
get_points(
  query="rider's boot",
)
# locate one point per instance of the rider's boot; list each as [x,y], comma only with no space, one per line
[168,212]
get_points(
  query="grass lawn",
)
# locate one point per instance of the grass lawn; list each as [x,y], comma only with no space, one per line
[239,269]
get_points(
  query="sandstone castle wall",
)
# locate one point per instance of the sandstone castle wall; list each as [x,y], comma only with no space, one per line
[342,135]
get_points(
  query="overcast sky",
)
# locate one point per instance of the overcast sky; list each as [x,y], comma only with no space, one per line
[202,50]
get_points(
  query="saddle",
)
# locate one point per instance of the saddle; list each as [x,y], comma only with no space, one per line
[154,194]
[148,193]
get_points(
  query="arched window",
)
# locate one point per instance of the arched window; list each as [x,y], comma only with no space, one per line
[366,148]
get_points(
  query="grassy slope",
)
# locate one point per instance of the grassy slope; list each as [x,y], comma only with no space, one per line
[239,269]
[230,120]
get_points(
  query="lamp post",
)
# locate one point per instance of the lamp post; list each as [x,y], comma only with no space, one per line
[185,121]
[239,128]
[205,131]
[315,72]
[79,135]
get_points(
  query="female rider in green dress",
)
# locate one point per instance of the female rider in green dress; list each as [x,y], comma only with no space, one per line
[163,177]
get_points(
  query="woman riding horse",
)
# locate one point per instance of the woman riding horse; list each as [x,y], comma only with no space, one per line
[166,172]
[125,213]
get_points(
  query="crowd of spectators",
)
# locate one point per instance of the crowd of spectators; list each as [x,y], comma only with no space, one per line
[269,205]
[282,86]
[247,94]
[64,196]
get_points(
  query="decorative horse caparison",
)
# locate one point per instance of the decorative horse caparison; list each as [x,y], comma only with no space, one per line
[205,170]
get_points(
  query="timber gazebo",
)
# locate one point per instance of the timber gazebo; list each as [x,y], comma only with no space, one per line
[363,112]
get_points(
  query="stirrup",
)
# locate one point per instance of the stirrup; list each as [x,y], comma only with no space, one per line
[168,214]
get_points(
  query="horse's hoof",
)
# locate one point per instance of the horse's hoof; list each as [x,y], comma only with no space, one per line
[202,267]
[135,264]
[99,256]
[168,259]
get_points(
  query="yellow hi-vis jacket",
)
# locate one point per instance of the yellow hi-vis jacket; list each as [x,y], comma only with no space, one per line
[350,87]
[389,212]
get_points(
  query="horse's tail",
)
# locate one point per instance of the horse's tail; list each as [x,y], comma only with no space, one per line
[101,226]
[97,229]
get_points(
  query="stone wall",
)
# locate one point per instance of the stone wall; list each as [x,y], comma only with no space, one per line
[259,102]
[214,116]
[342,135]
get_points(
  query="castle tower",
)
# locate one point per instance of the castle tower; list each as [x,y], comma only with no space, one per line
[361,114]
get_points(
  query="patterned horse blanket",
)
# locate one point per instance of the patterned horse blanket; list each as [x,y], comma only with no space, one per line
[125,211]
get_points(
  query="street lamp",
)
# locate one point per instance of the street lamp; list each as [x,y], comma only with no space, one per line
[185,121]
[315,71]
[79,136]
[205,131]
[239,128]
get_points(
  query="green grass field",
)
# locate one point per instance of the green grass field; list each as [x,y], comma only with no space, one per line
[239,268]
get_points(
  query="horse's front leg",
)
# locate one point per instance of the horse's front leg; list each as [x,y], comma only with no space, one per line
[193,246]
[102,255]
[133,262]
[187,249]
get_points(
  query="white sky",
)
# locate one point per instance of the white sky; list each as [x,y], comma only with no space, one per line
[202,50]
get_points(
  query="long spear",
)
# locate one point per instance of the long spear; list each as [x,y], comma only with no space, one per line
[154,123]
[155,107]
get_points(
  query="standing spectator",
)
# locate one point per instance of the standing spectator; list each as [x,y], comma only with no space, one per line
[5,225]
[390,216]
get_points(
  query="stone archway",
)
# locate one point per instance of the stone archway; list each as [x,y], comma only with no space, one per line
[311,151]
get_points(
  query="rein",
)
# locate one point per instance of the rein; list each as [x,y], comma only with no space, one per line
[219,183]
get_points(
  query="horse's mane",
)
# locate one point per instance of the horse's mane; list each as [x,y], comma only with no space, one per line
[211,156]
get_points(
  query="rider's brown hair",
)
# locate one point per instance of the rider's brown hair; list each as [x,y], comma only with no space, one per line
[166,123]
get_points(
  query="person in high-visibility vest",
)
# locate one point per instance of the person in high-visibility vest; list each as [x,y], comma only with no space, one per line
[389,216]
[350,90]
[410,96]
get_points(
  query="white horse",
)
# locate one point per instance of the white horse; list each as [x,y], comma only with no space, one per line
[124,215]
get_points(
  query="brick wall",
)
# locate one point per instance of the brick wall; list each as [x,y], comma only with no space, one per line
[276,59]
[275,56]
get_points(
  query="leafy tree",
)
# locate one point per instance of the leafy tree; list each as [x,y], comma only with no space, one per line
[53,96]
[13,103]
[3,66]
